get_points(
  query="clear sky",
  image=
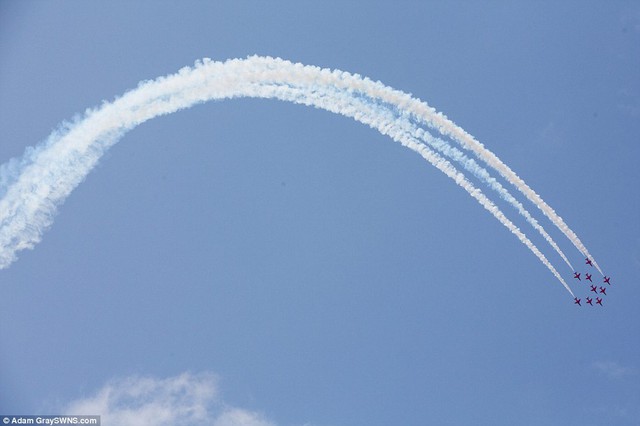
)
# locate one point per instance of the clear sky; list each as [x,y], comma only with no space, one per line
[278,264]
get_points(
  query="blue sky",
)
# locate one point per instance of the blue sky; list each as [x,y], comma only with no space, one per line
[289,266]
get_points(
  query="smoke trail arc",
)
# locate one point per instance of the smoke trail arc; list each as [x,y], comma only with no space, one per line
[33,186]
[444,148]
[421,112]
[401,130]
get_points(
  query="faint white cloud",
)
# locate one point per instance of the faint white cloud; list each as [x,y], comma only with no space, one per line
[613,370]
[184,400]
[551,134]
[239,417]
[630,109]
[630,413]
[630,20]
[629,102]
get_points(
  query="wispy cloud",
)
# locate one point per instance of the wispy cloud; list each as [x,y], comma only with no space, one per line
[183,400]
[613,370]
[629,102]
[552,134]
[630,20]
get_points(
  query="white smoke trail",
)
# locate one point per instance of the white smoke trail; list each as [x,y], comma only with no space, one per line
[466,140]
[401,131]
[449,151]
[425,114]
[443,147]
[479,172]
[482,174]
[45,176]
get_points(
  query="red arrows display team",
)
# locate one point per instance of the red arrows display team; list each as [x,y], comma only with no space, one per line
[593,288]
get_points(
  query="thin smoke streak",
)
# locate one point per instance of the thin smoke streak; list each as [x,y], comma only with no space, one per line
[426,114]
[400,130]
[469,164]
[438,121]
[482,174]
[35,185]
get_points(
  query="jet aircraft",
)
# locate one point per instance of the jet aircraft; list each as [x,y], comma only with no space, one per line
[589,277]
[603,290]
[588,262]
[577,276]
[606,279]
[589,301]
[577,301]
[599,301]
[594,289]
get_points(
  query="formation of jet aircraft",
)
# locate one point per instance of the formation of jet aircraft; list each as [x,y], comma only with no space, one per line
[593,288]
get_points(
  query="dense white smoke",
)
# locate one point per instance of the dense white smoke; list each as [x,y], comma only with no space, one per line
[33,186]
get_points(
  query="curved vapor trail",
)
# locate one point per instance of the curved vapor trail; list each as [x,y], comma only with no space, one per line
[455,154]
[403,131]
[481,173]
[469,142]
[427,115]
[423,113]
[33,186]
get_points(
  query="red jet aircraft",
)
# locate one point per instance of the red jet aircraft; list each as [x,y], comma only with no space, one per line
[589,277]
[606,279]
[576,275]
[577,301]
[594,289]
[588,262]
[603,290]
[599,301]
[589,301]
